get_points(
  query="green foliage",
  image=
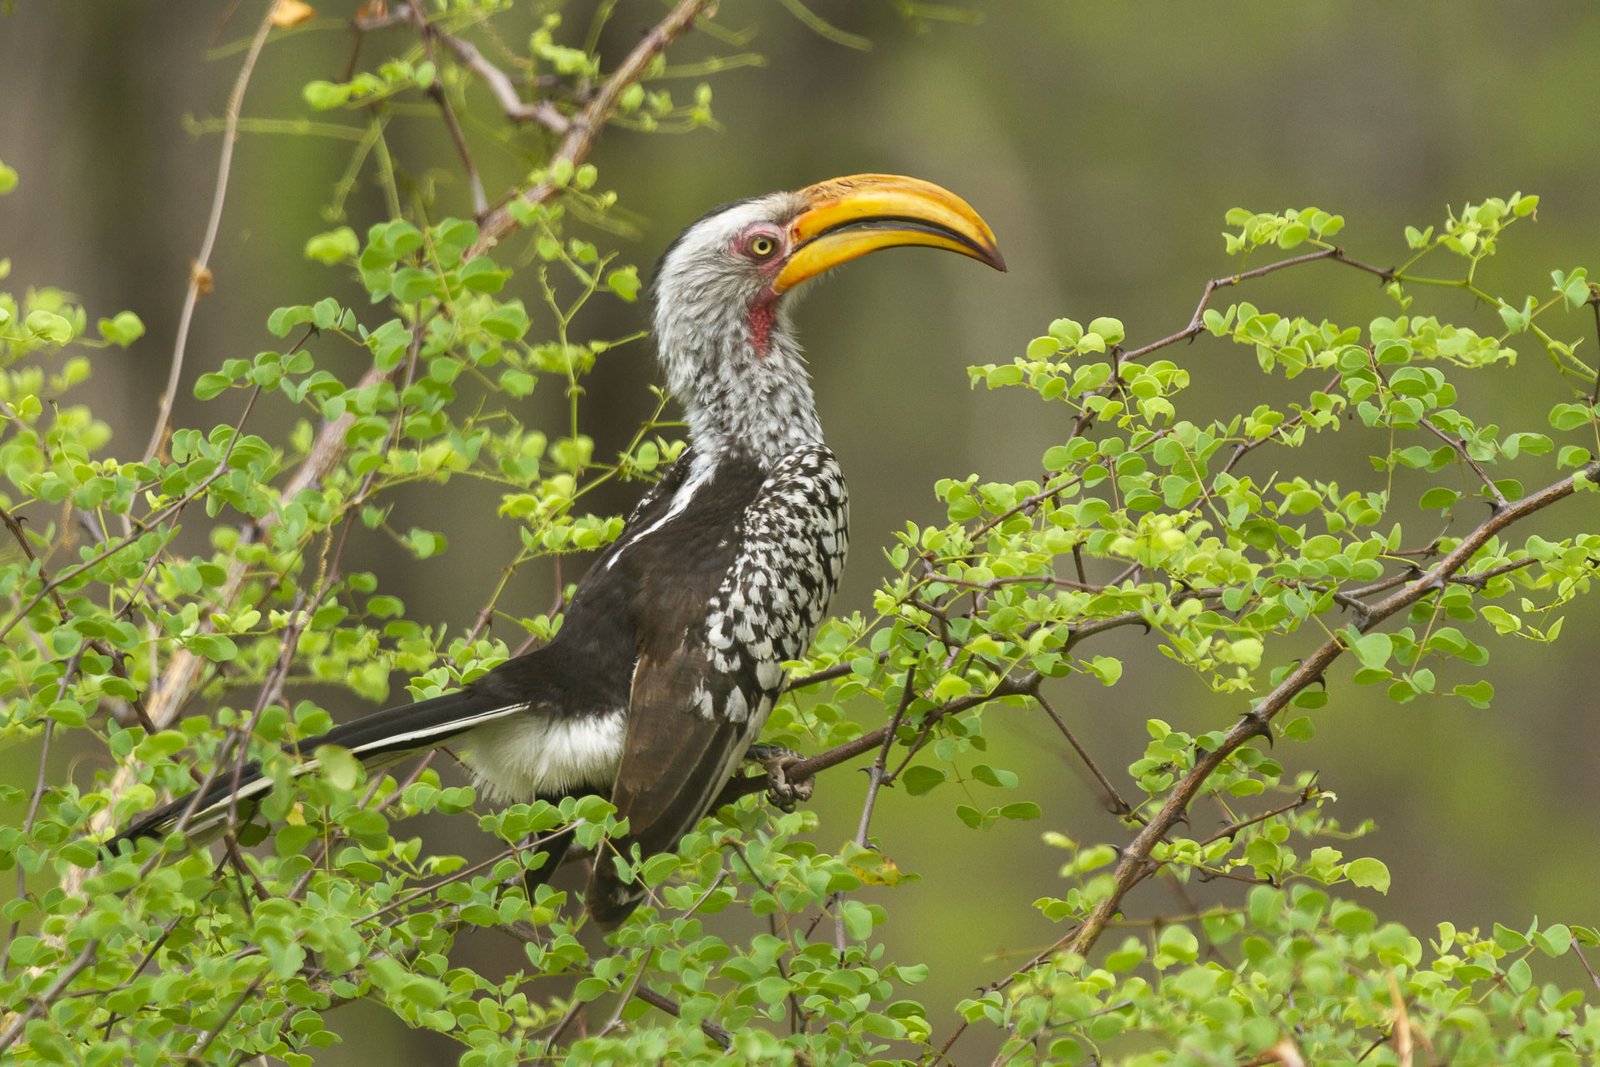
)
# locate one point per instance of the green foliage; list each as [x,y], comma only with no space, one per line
[216,569]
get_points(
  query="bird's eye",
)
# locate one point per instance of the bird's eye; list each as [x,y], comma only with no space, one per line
[762,246]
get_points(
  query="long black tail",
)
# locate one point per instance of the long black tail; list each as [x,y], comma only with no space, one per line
[375,739]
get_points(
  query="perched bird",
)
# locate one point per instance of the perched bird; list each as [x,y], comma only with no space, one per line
[671,652]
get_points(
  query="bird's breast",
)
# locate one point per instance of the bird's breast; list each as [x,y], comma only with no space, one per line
[791,550]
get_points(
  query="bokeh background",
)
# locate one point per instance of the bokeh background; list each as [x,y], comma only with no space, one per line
[1104,142]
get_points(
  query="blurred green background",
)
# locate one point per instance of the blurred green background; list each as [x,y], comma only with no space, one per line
[1104,142]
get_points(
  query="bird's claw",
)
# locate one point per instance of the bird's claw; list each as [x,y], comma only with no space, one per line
[783,792]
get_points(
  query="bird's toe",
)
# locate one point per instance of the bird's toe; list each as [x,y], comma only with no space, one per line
[784,790]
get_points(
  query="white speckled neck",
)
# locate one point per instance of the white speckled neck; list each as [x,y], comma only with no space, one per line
[736,397]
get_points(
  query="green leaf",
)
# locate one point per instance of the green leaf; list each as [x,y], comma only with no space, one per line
[339,766]
[1106,668]
[1111,330]
[921,778]
[1043,348]
[123,329]
[996,777]
[858,919]
[49,326]
[1373,650]
[324,95]
[333,246]
[8,179]
[1130,955]
[1571,416]
[211,385]
[215,647]
[1553,941]
[624,282]
[1177,944]
[1368,873]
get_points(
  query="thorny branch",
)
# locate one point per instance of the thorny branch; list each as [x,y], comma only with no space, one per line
[1134,860]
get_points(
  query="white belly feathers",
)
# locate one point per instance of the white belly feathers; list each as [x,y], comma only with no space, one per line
[522,757]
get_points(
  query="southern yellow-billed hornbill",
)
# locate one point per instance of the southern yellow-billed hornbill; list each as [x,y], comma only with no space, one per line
[671,653]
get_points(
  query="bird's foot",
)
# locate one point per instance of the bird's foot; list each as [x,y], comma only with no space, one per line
[783,792]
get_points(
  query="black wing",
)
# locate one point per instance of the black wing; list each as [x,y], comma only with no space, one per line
[752,576]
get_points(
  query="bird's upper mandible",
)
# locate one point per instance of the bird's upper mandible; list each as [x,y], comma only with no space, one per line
[846,218]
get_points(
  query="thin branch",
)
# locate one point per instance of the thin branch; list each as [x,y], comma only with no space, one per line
[1024,684]
[1117,804]
[586,125]
[227,1016]
[1594,305]
[1593,977]
[1244,448]
[39,785]
[1459,444]
[876,775]
[1197,320]
[498,82]
[638,976]
[14,524]
[480,200]
[1307,795]
[716,1033]
[271,691]
[567,1019]
[817,678]
[200,272]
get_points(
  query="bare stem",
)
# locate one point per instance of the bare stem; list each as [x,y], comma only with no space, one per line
[200,272]
[480,201]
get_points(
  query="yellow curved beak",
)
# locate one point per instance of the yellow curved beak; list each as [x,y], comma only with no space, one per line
[848,217]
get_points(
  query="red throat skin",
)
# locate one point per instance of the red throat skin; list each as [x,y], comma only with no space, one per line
[762,312]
